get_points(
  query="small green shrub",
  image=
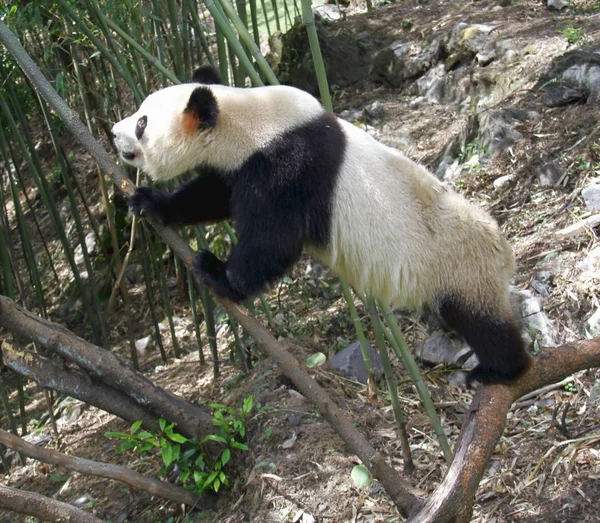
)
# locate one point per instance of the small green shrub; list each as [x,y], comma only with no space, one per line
[197,470]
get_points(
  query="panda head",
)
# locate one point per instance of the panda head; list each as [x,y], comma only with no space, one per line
[165,137]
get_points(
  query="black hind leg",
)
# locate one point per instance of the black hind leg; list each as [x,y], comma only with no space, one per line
[496,340]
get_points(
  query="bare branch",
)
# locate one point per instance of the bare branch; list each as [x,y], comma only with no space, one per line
[104,470]
[484,423]
[107,368]
[41,507]
[76,384]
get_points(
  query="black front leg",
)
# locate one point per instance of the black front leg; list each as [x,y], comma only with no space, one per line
[203,199]
[262,255]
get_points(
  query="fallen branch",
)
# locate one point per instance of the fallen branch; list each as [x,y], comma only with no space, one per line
[484,424]
[104,470]
[50,375]
[41,507]
[108,368]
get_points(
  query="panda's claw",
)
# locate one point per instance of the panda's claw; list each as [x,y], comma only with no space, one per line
[148,202]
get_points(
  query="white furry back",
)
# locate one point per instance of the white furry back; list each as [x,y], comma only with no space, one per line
[399,235]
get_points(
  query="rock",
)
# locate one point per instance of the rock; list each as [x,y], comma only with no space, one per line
[591,196]
[558,4]
[294,420]
[347,57]
[350,363]
[501,181]
[403,61]
[572,77]
[374,111]
[458,378]
[81,501]
[141,345]
[549,173]
[351,115]
[327,12]
[441,348]
[593,324]
[536,319]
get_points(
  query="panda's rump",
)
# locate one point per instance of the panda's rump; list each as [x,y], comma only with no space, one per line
[399,235]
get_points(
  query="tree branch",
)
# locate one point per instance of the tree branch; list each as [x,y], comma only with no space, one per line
[104,470]
[107,367]
[484,424]
[41,507]
[76,384]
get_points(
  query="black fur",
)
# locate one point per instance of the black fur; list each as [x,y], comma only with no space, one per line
[497,341]
[207,74]
[203,199]
[203,104]
[281,199]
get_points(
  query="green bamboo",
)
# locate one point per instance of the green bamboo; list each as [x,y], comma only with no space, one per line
[150,295]
[276,13]
[309,22]
[254,18]
[266,17]
[199,29]
[32,161]
[392,387]
[250,44]
[177,46]
[142,51]
[113,57]
[415,374]
[232,40]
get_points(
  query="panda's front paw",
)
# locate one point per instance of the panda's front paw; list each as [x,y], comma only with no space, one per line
[212,272]
[148,202]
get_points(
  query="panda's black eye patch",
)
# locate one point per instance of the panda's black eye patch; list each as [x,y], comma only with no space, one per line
[140,126]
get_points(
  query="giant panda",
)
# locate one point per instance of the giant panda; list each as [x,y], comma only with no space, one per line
[295,178]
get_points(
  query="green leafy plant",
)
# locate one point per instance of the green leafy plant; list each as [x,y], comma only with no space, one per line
[197,470]
[572,34]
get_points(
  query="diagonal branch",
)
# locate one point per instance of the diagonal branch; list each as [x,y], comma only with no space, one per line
[42,507]
[106,367]
[104,470]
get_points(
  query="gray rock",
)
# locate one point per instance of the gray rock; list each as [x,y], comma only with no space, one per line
[401,62]
[591,196]
[458,378]
[327,12]
[558,4]
[350,362]
[593,323]
[572,77]
[501,181]
[351,115]
[440,348]
[374,111]
[532,312]
[294,420]
[141,345]
[549,173]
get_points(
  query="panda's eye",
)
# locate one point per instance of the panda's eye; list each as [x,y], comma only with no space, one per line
[140,126]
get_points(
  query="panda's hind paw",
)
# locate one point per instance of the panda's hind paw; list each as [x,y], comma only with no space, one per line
[148,202]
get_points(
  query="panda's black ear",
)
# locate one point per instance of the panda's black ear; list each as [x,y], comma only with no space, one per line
[207,74]
[201,111]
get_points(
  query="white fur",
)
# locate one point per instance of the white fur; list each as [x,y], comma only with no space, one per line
[398,234]
[248,120]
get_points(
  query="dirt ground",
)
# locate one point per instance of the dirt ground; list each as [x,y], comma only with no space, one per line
[546,467]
